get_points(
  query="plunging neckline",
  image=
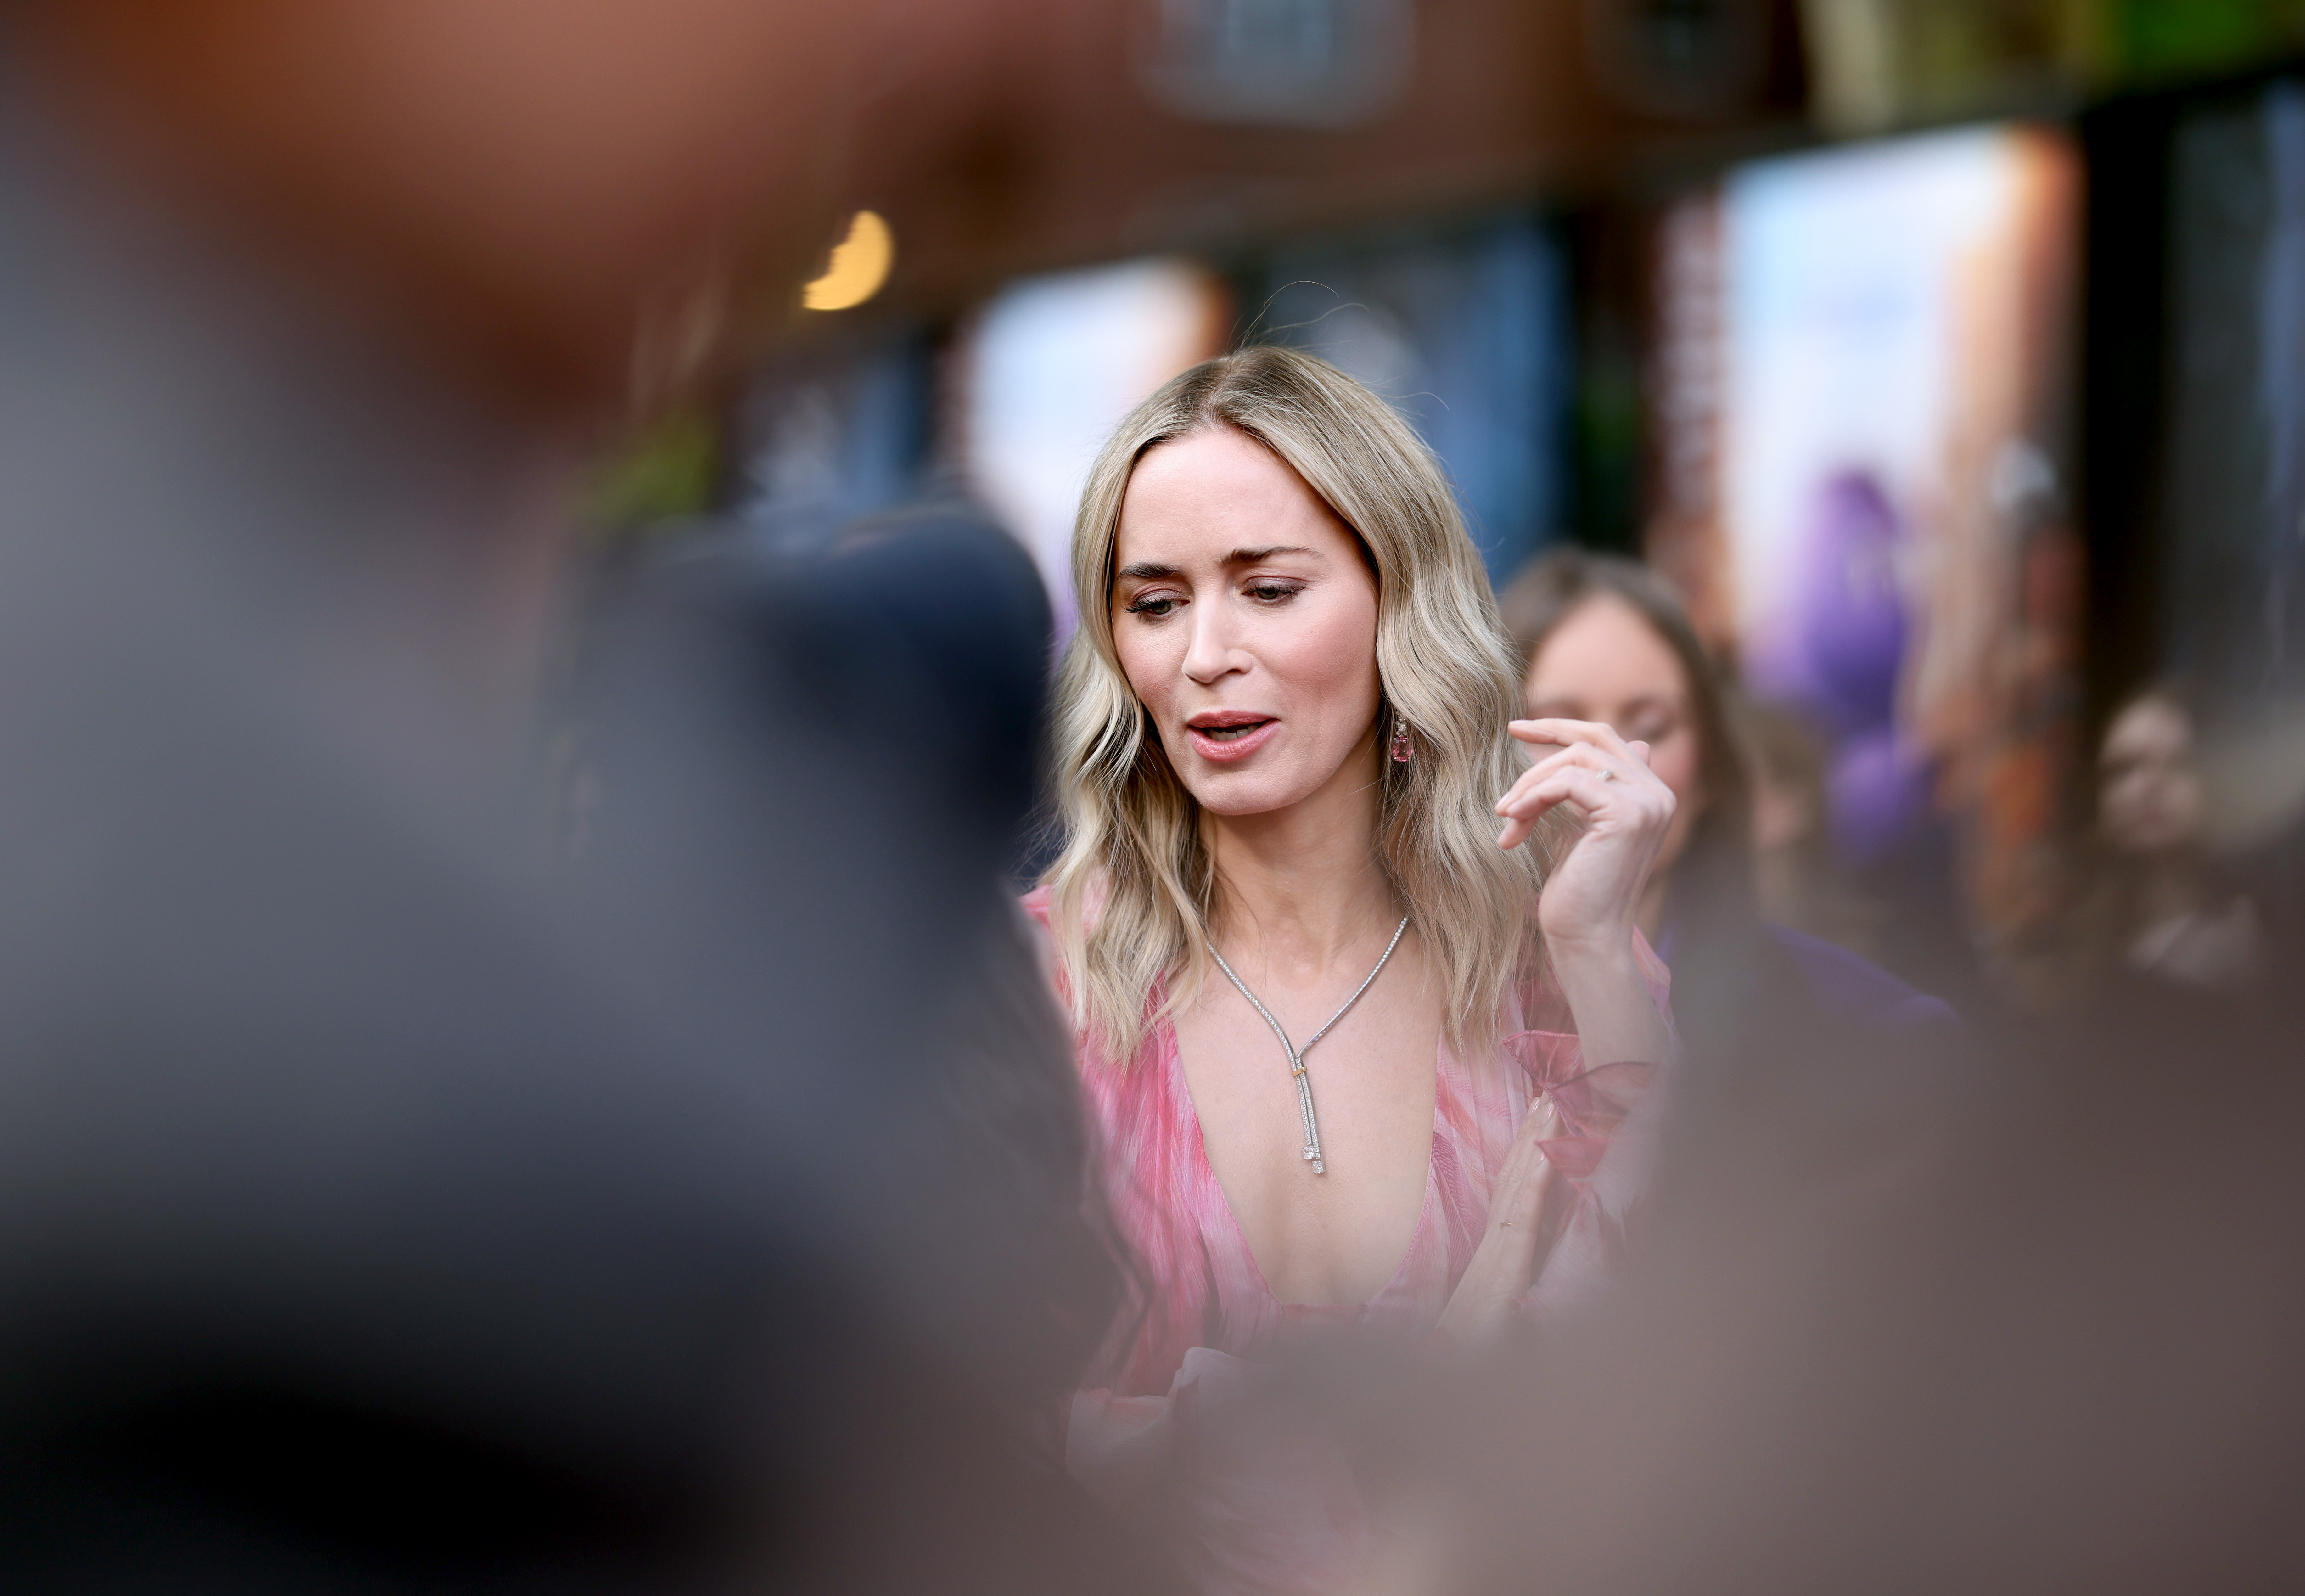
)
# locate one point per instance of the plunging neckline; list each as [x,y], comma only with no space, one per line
[1173,1061]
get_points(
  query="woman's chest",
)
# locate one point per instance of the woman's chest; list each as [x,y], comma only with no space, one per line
[1368,1091]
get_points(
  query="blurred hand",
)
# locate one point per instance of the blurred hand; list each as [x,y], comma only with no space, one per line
[1591,895]
[1504,1265]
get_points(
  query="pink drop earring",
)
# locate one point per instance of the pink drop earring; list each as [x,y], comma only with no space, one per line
[1403,750]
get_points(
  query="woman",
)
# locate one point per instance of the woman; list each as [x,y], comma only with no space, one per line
[2148,921]
[2178,923]
[1295,805]
[1603,639]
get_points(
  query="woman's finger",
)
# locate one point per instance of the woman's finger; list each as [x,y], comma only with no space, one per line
[1526,1161]
[1597,734]
[1521,1158]
[1627,769]
[1585,788]
[1581,756]
[1604,794]
[1517,1199]
[1529,810]
[1584,741]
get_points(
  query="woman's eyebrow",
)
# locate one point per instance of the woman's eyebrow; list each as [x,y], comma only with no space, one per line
[1144,570]
[1252,556]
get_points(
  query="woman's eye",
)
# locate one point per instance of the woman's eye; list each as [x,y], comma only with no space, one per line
[1273,592]
[1155,605]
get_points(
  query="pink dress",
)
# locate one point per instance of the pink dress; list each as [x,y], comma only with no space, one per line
[1269,1524]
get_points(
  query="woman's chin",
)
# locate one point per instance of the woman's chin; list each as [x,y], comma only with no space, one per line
[1236,795]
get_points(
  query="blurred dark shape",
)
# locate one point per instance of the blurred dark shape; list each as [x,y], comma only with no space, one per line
[2234,489]
[1799,878]
[2197,217]
[369,1219]
[2253,769]
[1683,58]
[2055,1352]
[813,774]
[835,428]
[1304,63]
[914,645]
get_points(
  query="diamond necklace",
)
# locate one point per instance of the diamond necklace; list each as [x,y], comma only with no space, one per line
[1295,1054]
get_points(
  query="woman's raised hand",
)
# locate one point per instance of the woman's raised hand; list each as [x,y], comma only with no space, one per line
[1590,899]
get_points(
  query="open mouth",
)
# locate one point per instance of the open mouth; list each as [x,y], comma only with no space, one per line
[1225,735]
[1229,732]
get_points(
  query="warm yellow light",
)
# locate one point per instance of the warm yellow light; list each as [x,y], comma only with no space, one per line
[859,266]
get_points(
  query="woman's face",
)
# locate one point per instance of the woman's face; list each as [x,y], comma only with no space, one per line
[1605,661]
[2149,796]
[1244,615]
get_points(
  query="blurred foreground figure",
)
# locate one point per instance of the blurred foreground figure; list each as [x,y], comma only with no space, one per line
[360,1228]
[2057,1354]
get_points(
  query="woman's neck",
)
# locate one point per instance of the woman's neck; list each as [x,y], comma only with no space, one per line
[1300,888]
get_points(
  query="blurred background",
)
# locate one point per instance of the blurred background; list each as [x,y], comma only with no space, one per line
[1942,354]
[380,1190]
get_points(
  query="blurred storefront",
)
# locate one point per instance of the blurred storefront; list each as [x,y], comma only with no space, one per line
[1944,353]
[1863,429]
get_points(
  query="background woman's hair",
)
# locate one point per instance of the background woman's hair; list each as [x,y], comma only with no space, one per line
[1717,858]
[1133,890]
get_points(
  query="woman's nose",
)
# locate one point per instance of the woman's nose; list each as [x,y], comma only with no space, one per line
[1210,651]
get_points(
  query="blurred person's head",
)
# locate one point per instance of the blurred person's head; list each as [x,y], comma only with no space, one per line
[1603,638]
[1789,777]
[2149,793]
[537,188]
[1271,569]
[1798,881]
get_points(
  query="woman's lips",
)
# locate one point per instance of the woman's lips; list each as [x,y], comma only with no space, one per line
[1235,744]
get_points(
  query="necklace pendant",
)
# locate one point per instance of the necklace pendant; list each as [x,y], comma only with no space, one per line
[1295,1053]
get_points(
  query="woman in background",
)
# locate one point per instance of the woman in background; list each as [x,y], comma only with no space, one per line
[2148,915]
[1295,802]
[1603,639]
[2176,922]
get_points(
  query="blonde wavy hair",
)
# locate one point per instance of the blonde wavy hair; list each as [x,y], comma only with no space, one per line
[1133,892]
